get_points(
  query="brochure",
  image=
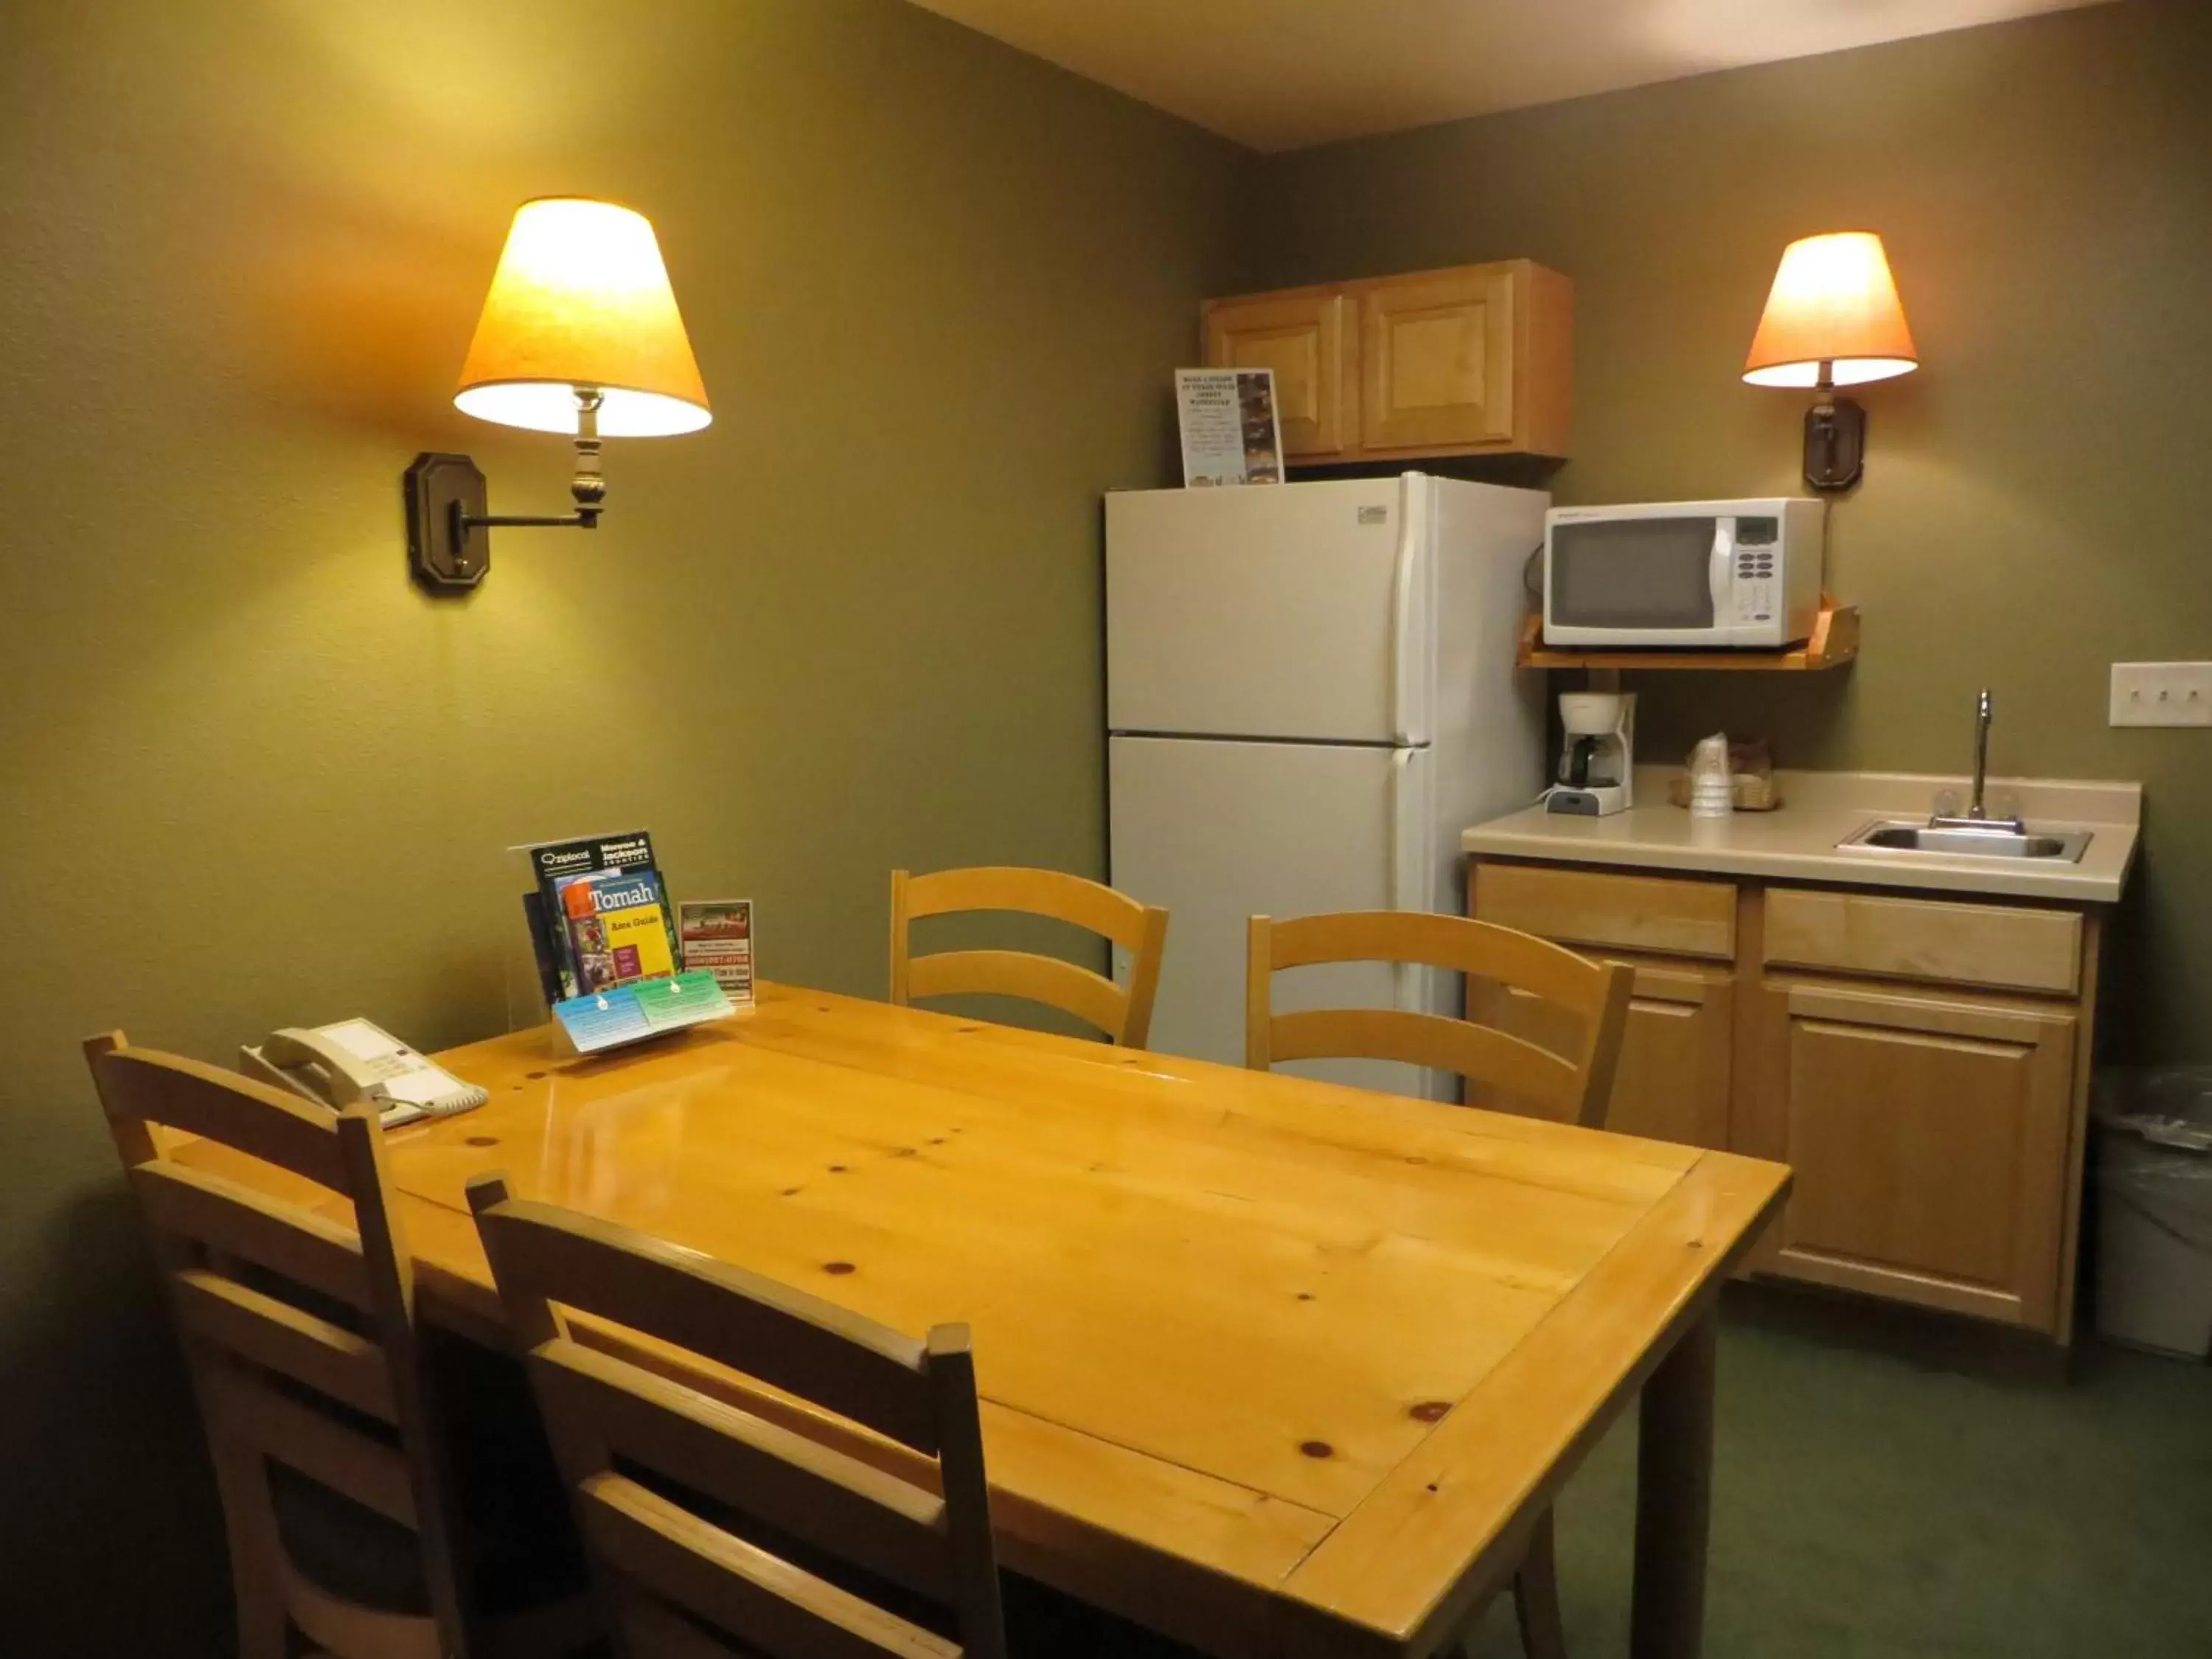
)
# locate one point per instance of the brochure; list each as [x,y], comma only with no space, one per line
[542,949]
[617,926]
[1231,434]
[624,1013]
[555,865]
[717,935]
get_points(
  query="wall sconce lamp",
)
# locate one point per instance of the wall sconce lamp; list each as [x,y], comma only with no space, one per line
[1832,319]
[579,334]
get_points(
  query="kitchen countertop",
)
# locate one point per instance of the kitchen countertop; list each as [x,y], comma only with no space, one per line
[1797,842]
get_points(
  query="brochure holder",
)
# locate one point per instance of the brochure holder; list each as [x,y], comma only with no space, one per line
[630,937]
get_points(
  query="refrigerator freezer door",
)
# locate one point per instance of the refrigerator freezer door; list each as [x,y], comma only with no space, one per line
[1302,612]
[1218,831]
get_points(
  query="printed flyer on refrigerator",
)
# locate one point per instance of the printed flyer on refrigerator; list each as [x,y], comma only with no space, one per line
[1231,434]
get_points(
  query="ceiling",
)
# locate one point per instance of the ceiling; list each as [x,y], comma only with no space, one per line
[1280,74]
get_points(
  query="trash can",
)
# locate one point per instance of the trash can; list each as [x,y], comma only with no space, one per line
[2153,1174]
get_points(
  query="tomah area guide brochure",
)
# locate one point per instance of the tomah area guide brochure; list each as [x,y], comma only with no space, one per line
[617,928]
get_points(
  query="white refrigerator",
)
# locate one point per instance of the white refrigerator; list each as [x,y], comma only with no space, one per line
[1310,691]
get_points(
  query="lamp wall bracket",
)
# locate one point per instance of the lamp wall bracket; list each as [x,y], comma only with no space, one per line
[1835,439]
[445,493]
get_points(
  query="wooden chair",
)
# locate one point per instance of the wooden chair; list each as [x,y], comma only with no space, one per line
[1574,1089]
[1126,1017]
[301,1336]
[714,1532]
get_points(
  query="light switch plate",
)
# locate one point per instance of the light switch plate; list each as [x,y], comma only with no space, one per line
[2162,694]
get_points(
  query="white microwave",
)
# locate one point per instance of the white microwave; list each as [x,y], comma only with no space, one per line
[1712,573]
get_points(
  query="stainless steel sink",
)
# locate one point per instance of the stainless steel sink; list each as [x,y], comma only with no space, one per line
[1995,840]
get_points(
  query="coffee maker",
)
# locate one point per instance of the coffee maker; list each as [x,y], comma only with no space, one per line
[1598,760]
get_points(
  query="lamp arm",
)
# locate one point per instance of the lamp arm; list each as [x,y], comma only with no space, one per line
[588,486]
[1835,436]
[1822,423]
[579,520]
[445,507]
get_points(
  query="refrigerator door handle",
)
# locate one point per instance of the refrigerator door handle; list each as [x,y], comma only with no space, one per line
[1402,814]
[1413,524]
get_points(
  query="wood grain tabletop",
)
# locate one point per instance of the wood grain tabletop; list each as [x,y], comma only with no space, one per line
[1276,1366]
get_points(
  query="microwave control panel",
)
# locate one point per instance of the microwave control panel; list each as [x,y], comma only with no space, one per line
[1754,568]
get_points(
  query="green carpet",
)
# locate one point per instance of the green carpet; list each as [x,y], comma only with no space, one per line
[1865,1505]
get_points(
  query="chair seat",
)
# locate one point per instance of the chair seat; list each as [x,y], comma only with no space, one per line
[1043,1623]
[356,1555]
[345,1550]
[522,1543]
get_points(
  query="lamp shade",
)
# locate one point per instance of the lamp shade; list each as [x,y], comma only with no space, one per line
[1833,302]
[581,299]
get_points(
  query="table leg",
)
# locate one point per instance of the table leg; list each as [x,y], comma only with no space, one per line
[1673,1499]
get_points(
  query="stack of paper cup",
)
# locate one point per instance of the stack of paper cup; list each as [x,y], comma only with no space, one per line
[1712,790]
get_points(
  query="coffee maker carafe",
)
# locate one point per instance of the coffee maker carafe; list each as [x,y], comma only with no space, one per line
[1597,759]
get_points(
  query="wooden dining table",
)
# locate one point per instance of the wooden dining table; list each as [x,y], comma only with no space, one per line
[1273,1366]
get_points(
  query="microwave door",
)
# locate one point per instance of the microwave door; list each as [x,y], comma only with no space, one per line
[1637,581]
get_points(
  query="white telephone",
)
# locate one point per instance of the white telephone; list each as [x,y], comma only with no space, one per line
[337,1065]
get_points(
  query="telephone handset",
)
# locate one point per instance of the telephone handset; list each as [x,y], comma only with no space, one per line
[354,1060]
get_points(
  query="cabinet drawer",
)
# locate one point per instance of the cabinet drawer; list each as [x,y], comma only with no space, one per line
[1630,913]
[1924,938]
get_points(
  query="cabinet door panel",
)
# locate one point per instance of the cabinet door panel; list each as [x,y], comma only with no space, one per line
[1928,1139]
[1436,361]
[1673,1079]
[1673,1084]
[1302,337]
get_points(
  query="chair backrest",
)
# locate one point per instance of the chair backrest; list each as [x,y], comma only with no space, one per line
[299,1327]
[678,1583]
[1574,1088]
[1126,1017]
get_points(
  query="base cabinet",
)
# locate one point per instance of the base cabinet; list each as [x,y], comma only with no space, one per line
[1921,1065]
[1930,1141]
[1675,1054]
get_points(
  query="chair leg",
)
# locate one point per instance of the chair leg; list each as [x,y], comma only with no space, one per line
[1536,1596]
[250,1526]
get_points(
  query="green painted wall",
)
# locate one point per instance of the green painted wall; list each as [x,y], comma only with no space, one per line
[249,777]
[2034,507]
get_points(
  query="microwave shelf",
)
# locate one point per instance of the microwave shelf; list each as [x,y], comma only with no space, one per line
[1834,642]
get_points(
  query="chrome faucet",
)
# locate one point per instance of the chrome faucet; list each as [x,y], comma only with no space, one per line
[1977,814]
[1974,808]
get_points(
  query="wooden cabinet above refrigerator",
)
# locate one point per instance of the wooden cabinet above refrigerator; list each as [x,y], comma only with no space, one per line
[1476,360]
